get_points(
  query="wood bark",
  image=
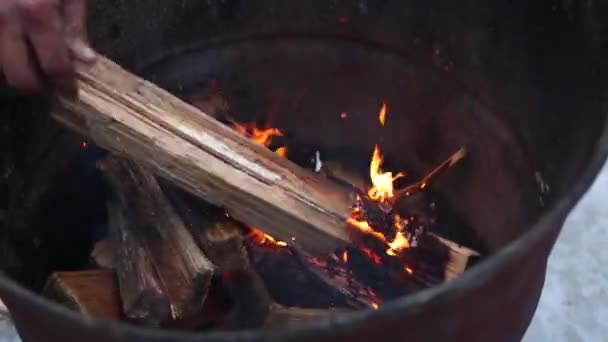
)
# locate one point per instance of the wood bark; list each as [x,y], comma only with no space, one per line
[160,241]
[140,289]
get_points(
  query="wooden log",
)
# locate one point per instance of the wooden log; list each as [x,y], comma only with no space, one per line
[160,236]
[223,241]
[132,117]
[93,293]
[140,289]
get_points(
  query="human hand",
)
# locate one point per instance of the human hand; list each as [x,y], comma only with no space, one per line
[40,39]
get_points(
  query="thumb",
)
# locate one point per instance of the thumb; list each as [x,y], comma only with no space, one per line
[75,24]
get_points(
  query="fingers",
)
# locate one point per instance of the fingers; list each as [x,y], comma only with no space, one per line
[75,15]
[17,63]
[42,22]
[41,38]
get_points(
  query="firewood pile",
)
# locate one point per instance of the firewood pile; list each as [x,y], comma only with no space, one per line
[211,226]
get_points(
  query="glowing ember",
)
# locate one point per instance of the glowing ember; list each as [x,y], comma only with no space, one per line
[375,306]
[409,270]
[375,258]
[383,188]
[264,239]
[345,257]
[382,114]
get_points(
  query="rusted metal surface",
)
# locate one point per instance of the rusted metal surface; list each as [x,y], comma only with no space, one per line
[533,66]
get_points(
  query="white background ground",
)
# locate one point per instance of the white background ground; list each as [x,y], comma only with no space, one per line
[574,304]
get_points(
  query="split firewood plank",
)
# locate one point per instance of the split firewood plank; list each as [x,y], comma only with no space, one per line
[460,257]
[183,272]
[93,293]
[124,113]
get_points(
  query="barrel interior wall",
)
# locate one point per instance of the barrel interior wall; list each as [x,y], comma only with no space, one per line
[513,91]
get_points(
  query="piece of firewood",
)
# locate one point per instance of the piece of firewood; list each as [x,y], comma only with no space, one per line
[93,293]
[134,118]
[183,271]
[222,239]
[460,257]
[142,296]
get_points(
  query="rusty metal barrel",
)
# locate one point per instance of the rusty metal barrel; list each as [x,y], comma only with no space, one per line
[518,81]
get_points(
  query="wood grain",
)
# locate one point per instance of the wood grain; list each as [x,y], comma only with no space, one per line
[130,116]
[93,293]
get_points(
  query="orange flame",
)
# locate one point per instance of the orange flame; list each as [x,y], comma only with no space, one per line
[261,136]
[409,270]
[382,191]
[281,151]
[382,114]
[364,227]
[383,188]
[264,239]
